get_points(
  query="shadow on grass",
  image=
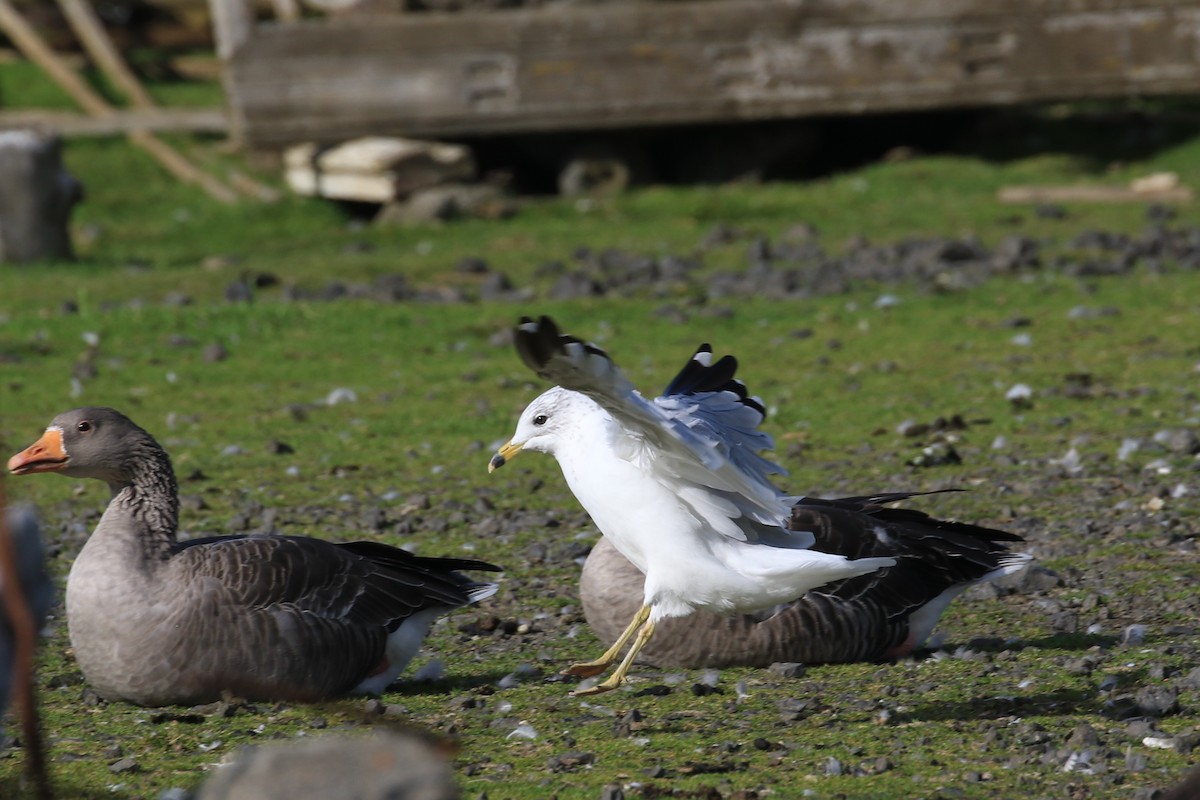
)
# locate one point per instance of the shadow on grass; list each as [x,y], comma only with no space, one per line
[1056,641]
[442,686]
[1059,703]
[20,789]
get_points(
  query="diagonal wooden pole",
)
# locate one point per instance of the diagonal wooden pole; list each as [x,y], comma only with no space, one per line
[34,47]
[91,34]
[24,629]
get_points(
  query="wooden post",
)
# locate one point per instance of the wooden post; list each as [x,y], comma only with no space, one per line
[232,21]
[36,197]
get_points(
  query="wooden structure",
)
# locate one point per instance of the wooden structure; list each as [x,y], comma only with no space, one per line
[639,64]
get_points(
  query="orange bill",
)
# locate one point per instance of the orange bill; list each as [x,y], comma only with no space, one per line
[47,454]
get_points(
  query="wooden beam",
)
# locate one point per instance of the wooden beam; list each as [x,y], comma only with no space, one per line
[121,121]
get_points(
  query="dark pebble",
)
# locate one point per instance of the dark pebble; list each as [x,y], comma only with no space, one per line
[1157,701]
[788,669]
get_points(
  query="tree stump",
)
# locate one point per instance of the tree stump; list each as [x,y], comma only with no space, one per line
[36,198]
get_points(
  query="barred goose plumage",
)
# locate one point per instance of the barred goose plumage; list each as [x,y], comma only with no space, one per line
[158,621]
[878,617]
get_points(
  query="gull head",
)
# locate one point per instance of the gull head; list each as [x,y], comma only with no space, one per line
[555,417]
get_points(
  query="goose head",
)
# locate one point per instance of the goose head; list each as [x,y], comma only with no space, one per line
[96,443]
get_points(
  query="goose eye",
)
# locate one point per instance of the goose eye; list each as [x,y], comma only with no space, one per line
[84,426]
[540,420]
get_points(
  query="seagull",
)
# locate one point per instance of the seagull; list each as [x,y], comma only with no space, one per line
[675,483]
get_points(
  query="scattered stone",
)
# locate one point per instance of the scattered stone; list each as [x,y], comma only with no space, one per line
[123,765]
[1181,441]
[1019,396]
[788,669]
[1083,737]
[569,762]
[214,352]
[1157,701]
[937,454]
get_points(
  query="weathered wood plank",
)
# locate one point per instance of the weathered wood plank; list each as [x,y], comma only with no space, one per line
[69,123]
[623,65]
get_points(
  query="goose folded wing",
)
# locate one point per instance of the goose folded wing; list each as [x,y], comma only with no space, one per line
[932,555]
[362,583]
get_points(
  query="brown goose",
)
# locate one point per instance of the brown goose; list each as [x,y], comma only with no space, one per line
[876,617]
[157,621]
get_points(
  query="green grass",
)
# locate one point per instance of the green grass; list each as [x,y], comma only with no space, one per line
[434,395]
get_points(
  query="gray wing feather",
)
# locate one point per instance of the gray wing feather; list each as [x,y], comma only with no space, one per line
[703,430]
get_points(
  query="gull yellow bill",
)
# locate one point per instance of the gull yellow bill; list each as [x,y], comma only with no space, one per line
[503,456]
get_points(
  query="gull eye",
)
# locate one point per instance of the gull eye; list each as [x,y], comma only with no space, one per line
[84,426]
[540,420]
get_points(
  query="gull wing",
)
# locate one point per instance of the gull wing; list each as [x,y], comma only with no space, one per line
[701,434]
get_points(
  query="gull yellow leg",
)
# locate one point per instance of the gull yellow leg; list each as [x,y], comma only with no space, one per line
[586,669]
[618,676]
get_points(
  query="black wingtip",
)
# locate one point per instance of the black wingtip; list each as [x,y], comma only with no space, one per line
[539,341]
[536,341]
[697,377]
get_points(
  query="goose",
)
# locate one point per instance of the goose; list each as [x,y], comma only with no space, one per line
[155,620]
[883,616]
[678,486]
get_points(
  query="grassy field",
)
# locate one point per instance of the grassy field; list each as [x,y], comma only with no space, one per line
[435,394]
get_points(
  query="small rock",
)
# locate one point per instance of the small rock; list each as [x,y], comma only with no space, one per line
[1157,701]
[910,427]
[341,395]
[1133,635]
[1083,737]
[937,454]
[124,765]
[1020,396]
[788,669]
[214,352]
[569,761]
[1181,441]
